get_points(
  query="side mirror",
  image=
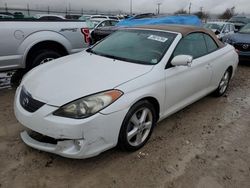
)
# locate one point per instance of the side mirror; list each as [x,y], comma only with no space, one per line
[182,60]
[217,32]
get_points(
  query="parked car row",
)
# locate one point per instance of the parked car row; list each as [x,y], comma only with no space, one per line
[241,42]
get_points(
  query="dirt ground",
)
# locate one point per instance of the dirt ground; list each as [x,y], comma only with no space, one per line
[206,145]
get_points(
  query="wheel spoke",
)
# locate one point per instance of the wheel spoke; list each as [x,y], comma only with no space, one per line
[148,125]
[222,84]
[132,133]
[226,76]
[144,116]
[135,120]
[139,138]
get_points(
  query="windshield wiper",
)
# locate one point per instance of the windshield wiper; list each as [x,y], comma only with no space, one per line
[91,51]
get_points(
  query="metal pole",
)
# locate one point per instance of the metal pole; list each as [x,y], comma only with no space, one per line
[6,7]
[28,9]
[48,10]
[189,9]
[131,7]
[158,4]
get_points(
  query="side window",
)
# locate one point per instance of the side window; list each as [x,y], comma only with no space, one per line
[193,44]
[211,45]
[232,27]
[113,23]
[105,24]
[114,18]
[226,29]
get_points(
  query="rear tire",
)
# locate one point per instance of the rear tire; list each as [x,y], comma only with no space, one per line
[16,78]
[223,85]
[137,126]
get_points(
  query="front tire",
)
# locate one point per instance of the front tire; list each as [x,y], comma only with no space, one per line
[223,85]
[43,56]
[137,126]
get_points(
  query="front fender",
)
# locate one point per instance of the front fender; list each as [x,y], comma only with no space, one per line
[42,36]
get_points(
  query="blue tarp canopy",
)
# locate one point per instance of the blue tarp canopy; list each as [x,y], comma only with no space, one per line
[180,20]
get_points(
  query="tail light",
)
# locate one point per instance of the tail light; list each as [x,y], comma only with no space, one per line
[86,33]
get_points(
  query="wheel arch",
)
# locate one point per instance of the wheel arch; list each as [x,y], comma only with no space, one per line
[154,102]
[46,45]
[231,70]
[41,38]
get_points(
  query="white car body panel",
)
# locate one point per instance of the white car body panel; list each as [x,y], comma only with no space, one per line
[173,88]
[86,64]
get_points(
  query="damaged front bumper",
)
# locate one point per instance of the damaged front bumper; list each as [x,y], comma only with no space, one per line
[81,138]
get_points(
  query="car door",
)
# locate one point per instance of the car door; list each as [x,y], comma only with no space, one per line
[185,84]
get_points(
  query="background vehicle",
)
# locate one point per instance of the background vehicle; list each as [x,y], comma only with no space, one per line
[145,19]
[134,78]
[88,16]
[3,16]
[241,42]
[49,17]
[72,16]
[26,44]
[221,29]
[239,21]
[104,17]
[99,23]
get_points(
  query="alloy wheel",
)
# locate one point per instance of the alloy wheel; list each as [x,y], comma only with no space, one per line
[140,125]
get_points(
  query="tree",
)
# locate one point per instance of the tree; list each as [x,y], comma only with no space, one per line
[202,15]
[181,11]
[228,13]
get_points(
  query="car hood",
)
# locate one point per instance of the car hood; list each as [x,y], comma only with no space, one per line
[240,38]
[75,76]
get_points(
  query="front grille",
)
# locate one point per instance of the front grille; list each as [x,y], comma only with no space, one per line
[42,138]
[28,103]
[244,47]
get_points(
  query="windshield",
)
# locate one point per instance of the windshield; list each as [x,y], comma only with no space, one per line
[214,26]
[84,18]
[137,46]
[92,23]
[245,29]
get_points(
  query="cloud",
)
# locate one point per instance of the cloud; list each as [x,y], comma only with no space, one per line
[168,6]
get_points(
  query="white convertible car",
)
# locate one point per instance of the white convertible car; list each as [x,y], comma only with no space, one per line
[115,92]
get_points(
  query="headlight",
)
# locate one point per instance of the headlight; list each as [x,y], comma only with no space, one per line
[88,106]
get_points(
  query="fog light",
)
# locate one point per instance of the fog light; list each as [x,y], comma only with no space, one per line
[78,144]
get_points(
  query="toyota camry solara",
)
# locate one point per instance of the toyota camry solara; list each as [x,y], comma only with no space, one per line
[115,92]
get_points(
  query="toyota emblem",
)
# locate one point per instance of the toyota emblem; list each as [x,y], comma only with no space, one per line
[245,46]
[25,101]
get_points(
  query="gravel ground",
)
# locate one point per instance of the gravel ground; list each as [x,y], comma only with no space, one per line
[206,145]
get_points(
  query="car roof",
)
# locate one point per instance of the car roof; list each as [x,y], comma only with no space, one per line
[101,19]
[45,15]
[219,23]
[183,29]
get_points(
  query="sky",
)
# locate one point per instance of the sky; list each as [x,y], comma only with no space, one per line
[167,6]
